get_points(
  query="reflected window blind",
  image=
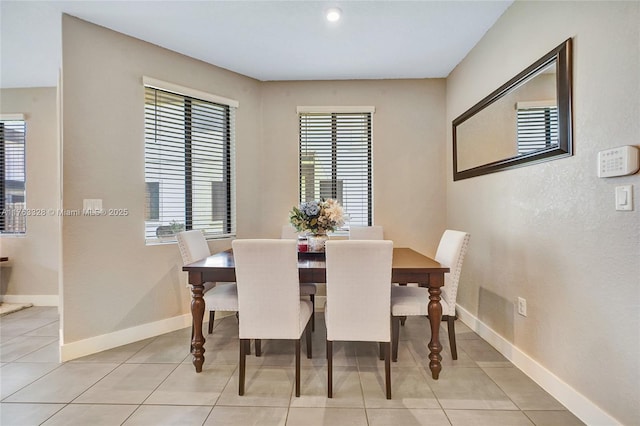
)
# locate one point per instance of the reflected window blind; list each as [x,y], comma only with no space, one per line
[537,128]
[13,211]
[335,162]
[189,171]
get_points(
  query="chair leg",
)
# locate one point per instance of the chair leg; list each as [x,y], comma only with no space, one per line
[387,368]
[451,328]
[395,336]
[298,367]
[308,337]
[258,347]
[243,365]
[212,317]
[329,369]
[248,348]
[313,311]
[402,319]
[381,350]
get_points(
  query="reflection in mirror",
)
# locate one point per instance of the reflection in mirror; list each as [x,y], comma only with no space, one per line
[527,119]
[524,120]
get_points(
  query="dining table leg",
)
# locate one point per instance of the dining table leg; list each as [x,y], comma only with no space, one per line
[436,281]
[197,314]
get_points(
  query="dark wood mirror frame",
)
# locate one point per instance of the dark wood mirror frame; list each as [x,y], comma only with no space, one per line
[561,56]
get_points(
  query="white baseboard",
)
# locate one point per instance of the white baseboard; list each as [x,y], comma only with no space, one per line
[35,299]
[575,402]
[104,342]
[112,340]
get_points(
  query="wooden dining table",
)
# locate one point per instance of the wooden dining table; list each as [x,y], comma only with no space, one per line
[408,266]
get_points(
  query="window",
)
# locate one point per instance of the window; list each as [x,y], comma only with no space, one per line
[12,168]
[189,173]
[537,126]
[335,159]
[152,204]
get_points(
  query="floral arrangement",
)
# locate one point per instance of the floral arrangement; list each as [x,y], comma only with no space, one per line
[317,217]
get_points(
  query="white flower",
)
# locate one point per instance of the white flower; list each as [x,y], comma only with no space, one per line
[317,216]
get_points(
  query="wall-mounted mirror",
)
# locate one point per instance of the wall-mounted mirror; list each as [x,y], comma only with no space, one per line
[528,119]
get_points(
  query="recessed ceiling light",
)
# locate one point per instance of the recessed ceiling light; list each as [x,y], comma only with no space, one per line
[333,14]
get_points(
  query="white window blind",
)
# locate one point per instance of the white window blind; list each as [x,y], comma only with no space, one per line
[335,161]
[189,166]
[537,128]
[13,211]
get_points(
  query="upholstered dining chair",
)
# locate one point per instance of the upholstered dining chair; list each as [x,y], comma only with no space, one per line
[359,298]
[269,298]
[366,233]
[217,297]
[413,301]
[306,289]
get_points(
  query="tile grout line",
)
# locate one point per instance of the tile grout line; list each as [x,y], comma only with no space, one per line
[361,358]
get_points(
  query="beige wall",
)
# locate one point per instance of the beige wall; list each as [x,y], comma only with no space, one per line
[32,273]
[546,232]
[105,261]
[408,134]
[549,232]
[111,280]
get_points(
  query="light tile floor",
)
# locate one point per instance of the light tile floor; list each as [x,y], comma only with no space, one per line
[152,382]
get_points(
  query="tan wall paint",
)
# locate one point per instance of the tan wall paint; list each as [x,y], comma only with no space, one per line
[549,232]
[33,267]
[112,281]
[106,263]
[408,135]
[546,232]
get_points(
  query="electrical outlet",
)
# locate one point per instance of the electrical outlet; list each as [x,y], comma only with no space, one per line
[522,306]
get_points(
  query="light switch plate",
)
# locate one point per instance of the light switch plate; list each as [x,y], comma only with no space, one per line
[92,205]
[624,197]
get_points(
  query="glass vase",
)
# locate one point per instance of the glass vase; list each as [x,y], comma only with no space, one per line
[316,242]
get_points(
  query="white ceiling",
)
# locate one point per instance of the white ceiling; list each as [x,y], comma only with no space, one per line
[266,40]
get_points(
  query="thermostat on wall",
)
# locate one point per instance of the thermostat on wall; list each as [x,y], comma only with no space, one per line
[619,161]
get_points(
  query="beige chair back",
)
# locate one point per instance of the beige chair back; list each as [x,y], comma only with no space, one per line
[359,290]
[366,233]
[268,289]
[193,246]
[451,251]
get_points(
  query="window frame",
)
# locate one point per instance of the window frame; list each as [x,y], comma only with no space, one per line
[190,176]
[11,213]
[334,111]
